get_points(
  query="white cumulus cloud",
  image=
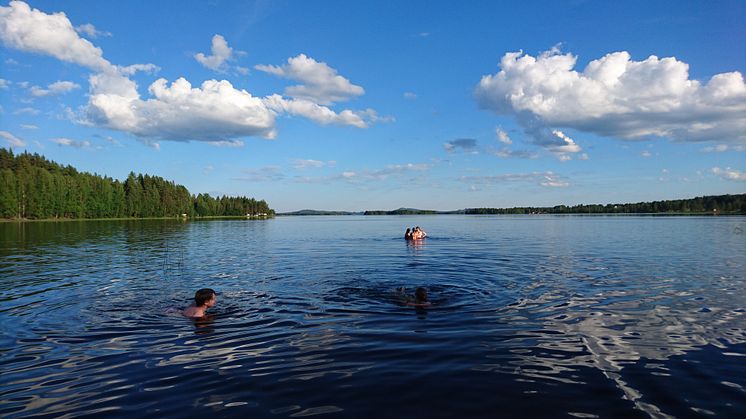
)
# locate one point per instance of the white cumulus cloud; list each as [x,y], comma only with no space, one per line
[321,83]
[319,113]
[503,136]
[134,68]
[32,30]
[615,96]
[221,53]
[56,88]
[729,174]
[215,111]
[12,140]
[561,149]
[91,31]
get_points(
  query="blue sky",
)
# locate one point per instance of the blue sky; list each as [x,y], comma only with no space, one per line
[379,105]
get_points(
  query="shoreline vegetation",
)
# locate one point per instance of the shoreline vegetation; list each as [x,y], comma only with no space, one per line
[33,188]
[703,205]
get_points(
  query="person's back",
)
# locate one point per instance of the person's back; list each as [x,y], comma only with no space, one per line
[203,299]
[408,234]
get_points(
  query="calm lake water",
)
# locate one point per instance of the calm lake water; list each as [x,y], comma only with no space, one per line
[539,316]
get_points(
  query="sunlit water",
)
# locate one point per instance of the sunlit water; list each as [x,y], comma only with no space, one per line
[542,316]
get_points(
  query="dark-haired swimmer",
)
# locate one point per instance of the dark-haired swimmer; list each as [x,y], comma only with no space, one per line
[408,234]
[420,298]
[203,299]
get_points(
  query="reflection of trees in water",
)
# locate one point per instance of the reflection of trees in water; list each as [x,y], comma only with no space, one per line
[612,329]
[156,248]
[173,261]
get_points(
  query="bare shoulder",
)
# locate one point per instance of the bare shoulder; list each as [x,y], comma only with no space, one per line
[193,311]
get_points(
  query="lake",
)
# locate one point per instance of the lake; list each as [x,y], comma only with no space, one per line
[538,316]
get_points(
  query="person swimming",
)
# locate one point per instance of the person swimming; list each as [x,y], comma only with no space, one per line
[415,233]
[420,298]
[418,233]
[203,300]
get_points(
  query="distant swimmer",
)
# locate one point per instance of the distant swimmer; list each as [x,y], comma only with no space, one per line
[408,234]
[419,300]
[203,299]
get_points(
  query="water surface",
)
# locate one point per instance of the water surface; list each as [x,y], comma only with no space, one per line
[543,316]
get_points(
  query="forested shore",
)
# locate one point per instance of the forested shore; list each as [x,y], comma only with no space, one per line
[716,204]
[32,187]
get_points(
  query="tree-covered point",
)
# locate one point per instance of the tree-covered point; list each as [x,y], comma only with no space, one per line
[720,204]
[32,187]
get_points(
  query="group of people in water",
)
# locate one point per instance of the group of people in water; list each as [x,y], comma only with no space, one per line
[415,233]
[206,298]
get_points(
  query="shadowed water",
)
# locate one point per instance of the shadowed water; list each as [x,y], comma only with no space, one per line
[543,316]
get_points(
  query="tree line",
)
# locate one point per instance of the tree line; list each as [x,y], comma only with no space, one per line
[718,204]
[32,187]
[401,211]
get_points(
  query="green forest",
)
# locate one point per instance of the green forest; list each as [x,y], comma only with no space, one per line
[720,204]
[32,187]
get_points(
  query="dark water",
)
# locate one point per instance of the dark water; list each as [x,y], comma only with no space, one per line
[535,316]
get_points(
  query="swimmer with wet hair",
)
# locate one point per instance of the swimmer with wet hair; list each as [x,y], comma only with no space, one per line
[420,298]
[203,299]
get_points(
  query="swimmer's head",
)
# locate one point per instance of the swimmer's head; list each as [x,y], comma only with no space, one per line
[420,294]
[205,296]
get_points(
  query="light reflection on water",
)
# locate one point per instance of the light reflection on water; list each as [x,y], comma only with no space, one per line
[604,316]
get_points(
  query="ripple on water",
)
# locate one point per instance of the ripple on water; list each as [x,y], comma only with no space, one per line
[591,316]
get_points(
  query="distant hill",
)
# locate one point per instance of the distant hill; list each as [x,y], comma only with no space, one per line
[319,212]
[410,211]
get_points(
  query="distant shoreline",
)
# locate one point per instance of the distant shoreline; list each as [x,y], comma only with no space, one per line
[716,205]
[61,219]
[672,214]
[702,205]
[230,217]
